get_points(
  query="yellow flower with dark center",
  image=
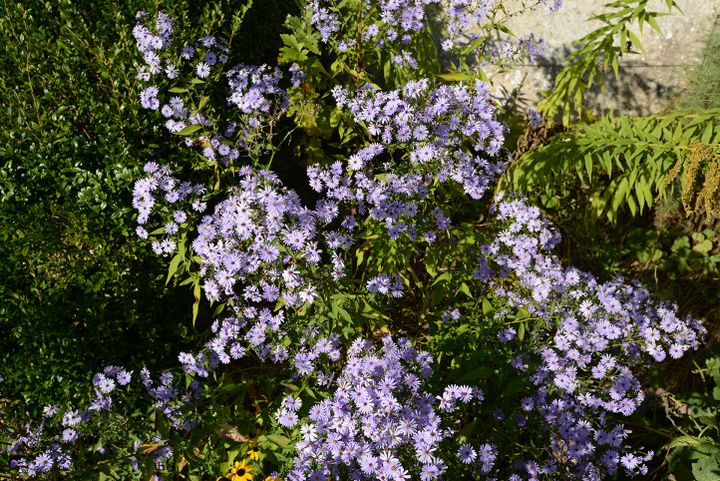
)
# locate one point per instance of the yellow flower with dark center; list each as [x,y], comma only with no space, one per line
[240,472]
[254,453]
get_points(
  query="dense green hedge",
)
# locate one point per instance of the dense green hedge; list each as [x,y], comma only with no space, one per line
[78,292]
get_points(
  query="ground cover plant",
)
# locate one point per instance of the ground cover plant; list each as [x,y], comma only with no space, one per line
[349,287]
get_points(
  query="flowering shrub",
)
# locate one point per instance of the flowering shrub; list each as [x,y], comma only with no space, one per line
[316,279]
[378,411]
[592,335]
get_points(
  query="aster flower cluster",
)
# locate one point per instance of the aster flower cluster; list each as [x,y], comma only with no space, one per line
[313,348]
[552,6]
[462,16]
[533,46]
[261,247]
[149,42]
[386,284]
[184,198]
[462,24]
[428,121]
[380,423]
[396,22]
[208,51]
[425,136]
[47,446]
[168,398]
[325,21]
[256,93]
[262,236]
[253,90]
[597,333]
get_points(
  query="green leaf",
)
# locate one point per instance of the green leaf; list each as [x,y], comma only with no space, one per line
[703,247]
[444,277]
[487,307]
[589,166]
[621,194]
[632,205]
[231,455]
[456,77]
[683,441]
[189,130]
[197,294]
[359,255]
[706,469]
[278,439]
[635,41]
[174,264]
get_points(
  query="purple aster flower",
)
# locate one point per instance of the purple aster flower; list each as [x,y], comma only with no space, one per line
[287,418]
[467,454]
[42,463]
[48,411]
[202,70]
[71,418]
[535,118]
[291,403]
[123,377]
[69,435]
[148,98]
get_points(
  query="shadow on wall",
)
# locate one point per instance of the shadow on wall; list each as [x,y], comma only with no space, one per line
[640,89]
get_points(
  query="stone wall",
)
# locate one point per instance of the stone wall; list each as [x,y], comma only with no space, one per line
[648,81]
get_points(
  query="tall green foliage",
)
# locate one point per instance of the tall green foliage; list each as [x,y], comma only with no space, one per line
[627,163]
[703,91]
